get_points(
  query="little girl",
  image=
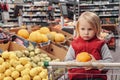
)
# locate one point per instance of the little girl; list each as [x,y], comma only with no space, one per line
[86,40]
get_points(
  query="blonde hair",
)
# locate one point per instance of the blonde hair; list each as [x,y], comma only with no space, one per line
[92,19]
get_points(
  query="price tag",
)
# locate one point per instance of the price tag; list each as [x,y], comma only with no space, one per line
[45,43]
[22,41]
[26,43]
[19,41]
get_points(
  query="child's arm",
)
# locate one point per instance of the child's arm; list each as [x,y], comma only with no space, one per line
[106,57]
[70,56]
[106,54]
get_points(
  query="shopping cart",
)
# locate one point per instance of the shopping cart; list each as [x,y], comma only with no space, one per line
[62,67]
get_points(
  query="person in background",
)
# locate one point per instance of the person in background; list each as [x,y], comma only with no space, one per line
[5,6]
[70,13]
[88,28]
[50,12]
[5,13]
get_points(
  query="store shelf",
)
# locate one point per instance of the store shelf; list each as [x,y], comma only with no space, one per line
[11,14]
[104,9]
[36,13]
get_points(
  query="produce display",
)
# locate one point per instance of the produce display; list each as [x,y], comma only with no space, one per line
[43,40]
[41,35]
[24,65]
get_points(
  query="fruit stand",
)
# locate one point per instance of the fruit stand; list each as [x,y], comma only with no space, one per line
[27,63]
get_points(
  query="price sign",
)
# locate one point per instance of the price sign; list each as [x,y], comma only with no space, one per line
[26,43]
[19,41]
[22,41]
[44,44]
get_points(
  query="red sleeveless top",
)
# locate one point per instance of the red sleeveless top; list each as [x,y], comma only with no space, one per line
[93,47]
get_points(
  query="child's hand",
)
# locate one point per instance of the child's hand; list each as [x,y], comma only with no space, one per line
[92,60]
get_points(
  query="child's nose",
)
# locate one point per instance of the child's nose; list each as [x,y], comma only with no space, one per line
[86,32]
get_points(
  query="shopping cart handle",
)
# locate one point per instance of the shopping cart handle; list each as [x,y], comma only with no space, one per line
[81,64]
[46,63]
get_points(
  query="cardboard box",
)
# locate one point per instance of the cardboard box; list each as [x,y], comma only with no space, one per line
[4,46]
[55,50]
[11,46]
[14,46]
[49,54]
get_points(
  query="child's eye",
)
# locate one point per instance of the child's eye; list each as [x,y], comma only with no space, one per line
[82,28]
[90,29]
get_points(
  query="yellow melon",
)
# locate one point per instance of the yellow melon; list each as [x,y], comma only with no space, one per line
[83,57]
[51,35]
[59,37]
[23,33]
[35,37]
[32,36]
[44,38]
[44,30]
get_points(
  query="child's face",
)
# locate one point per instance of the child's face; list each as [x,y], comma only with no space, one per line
[87,32]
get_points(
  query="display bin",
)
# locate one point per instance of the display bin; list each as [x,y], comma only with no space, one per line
[55,50]
[11,46]
[64,44]
[14,46]
[4,46]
